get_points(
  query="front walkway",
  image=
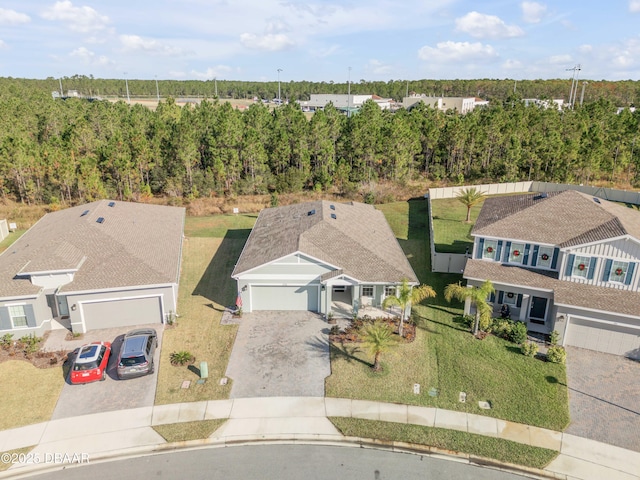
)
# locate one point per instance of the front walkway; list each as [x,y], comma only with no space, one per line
[299,420]
[280,353]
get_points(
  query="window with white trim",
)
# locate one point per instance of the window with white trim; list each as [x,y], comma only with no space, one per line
[367,291]
[618,272]
[581,266]
[490,248]
[390,291]
[516,253]
[509,298]
[18,316]
[545,257]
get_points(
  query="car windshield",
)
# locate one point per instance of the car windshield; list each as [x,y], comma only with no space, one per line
[132,361]
[78,367]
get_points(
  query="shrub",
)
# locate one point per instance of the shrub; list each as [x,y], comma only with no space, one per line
[518,333]
[181,358]
[30,343]
[556,354]
[335,330]
[6,340]
[466,320]
[370,198]
[529,349]
[554,337]
[501,327]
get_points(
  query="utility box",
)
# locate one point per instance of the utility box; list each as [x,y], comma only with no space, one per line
[204,370]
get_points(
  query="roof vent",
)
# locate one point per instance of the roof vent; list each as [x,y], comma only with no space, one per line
[84,213]
[112,204]
[311,212]
[332,207]
[100,220]
[596,199]
[333,215]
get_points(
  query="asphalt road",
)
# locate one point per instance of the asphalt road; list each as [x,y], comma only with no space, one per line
[282,462]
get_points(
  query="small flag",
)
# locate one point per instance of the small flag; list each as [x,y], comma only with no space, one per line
[239,300]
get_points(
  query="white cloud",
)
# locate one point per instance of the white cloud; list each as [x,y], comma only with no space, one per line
[212,72]
[512,64]
[79,19]
[277,25]
[560,59]
[634,6]
[586,48]
[135,43]
[376,67]
[479,25]
[533,12]
[270,42]
[90,57]
[2,45]
[453,52]
[11,17]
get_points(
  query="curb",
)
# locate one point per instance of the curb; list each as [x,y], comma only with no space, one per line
[339,441]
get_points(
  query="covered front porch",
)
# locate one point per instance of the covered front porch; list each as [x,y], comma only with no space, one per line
[343,297]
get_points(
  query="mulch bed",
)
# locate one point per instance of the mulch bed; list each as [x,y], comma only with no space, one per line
[19,350]
[351,333]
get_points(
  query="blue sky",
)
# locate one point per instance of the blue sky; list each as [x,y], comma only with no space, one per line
[320,40]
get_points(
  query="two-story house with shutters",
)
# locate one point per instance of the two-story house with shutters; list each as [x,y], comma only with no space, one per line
[563,261]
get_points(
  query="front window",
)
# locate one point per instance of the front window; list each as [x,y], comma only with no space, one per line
[367,291]
[490,248]
[390,291]
[545,257]
[618,272]
[18,316]
[580,267]
[516,254]
[510,298]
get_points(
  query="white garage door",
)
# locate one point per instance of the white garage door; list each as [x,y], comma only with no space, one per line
[603,337]
[124,312]
[284,298]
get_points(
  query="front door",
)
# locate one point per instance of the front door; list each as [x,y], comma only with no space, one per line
[538,310]
[63,307]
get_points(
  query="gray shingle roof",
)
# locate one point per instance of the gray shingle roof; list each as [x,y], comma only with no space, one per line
[564,219]
[359,240]
[567,293]
[137,244]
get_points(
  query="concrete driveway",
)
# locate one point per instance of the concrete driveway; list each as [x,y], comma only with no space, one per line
[604,394]
[112,394]
[280,354]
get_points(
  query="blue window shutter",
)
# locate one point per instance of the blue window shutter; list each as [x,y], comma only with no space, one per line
[31,318]
[627,280]
[554,260]
[507,248]
[525,260]
[569,268]
[500,296]
[492,299]
[534,260]
[592,267]
[480,248]
[519,300]
[5,319]
[607,270]
[499,251]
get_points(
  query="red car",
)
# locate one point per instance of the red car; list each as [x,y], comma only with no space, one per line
[91,363]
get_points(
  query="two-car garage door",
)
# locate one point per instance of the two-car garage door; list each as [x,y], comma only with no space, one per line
[279,297]
[603,337]
[122,312]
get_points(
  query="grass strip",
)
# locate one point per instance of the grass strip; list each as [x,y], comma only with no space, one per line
[185,431]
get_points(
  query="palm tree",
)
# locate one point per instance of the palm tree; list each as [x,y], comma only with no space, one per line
[407,295]
[469,197]
[478,297]
[378,338]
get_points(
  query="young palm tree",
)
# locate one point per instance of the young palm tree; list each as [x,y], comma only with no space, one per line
[478,297]
[469,197]
[405,296]
[378,338]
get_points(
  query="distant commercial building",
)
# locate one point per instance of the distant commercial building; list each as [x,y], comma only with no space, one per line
[343,101]
[556,103]
[461,104]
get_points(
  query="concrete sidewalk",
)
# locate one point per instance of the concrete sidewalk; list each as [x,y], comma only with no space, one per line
[295,419]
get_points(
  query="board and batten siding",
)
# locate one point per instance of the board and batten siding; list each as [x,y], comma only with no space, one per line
[620,249]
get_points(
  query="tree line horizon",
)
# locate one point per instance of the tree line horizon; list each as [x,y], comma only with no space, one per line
[73,151]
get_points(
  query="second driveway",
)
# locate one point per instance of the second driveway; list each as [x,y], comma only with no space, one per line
[280,354]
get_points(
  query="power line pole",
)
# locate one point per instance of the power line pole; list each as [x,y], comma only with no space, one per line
[349,94]
[584,84]
[126,82]
[279,99]
[574,84]
[157,89]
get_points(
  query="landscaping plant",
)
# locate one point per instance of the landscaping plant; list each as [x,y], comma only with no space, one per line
[529,349]
[405,296]
[377,338]
[518,333]
[478,297]
[181,358]
[556,354]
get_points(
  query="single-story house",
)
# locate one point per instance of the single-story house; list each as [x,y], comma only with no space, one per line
[563,261]
[311,255]
[100,265]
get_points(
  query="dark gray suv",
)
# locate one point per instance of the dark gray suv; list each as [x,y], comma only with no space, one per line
[136,353]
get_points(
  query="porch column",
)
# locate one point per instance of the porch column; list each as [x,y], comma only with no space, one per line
[524,307]
[467,306]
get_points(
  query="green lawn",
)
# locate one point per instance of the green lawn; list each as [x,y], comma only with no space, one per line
[451,233]
[469,443]
[446,357]
[212,247]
